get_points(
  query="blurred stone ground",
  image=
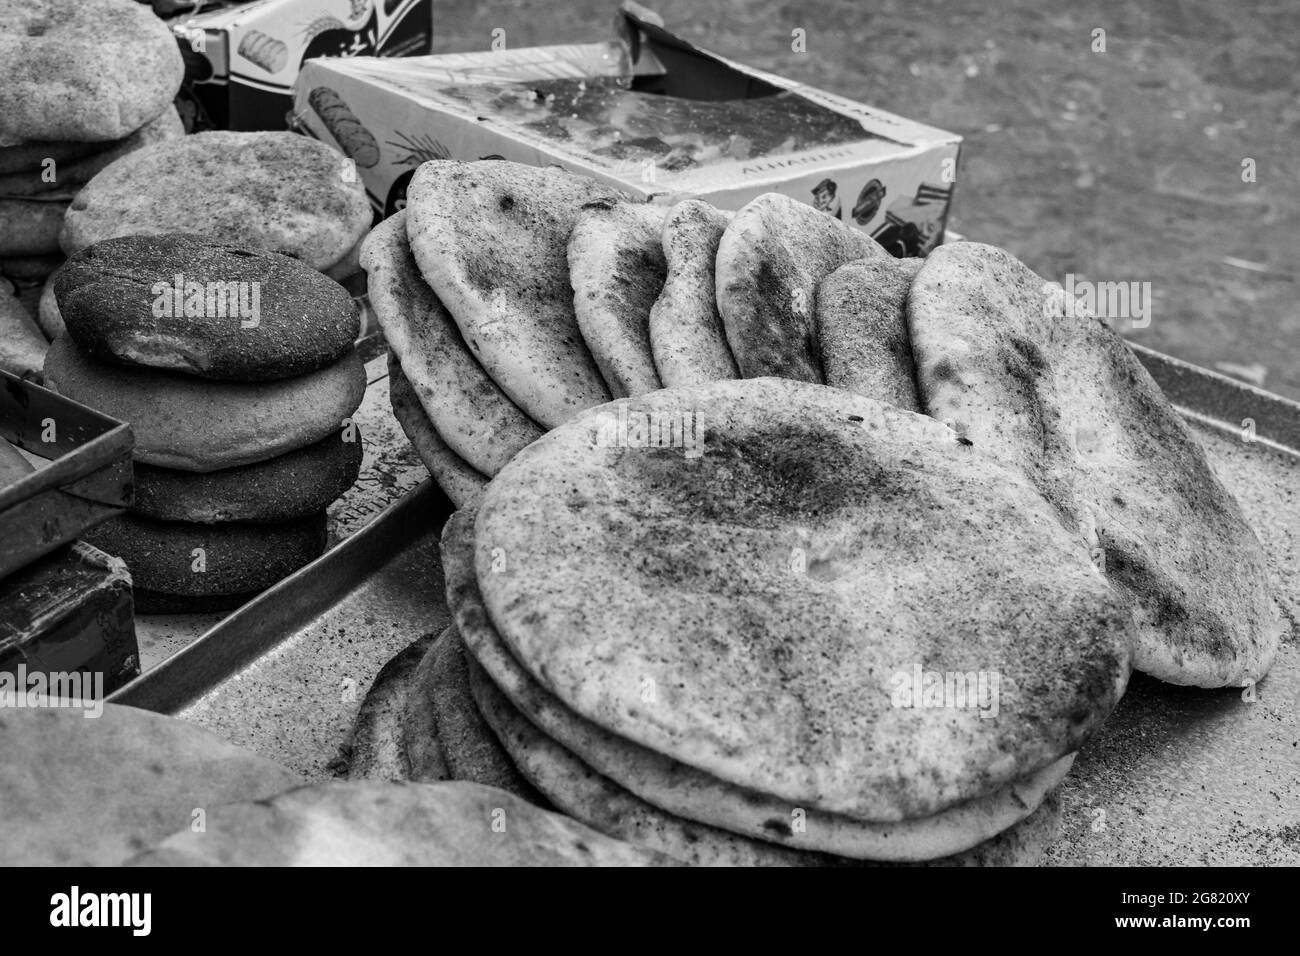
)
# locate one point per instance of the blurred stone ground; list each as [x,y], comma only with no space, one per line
[1117,166]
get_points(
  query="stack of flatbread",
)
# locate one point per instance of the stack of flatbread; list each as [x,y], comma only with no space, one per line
[513,298]
[81,84]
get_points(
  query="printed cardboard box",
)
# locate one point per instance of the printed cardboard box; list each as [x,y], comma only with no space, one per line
[648,112]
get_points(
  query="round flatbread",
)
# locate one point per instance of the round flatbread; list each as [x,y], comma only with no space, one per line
[93,791]
[686,333]
[616,268]
[83,69]
[600,803]
[490,239]
[198,560]
[298,483]
[48,316]
[471,414]
[394,824]
[459,480]
[770,259]
[193,424]
[376,745]
[277,192]
[800,500]
[22,346]
[185,303]
[50,175]
[862,330]
[687,792]
[1044,386]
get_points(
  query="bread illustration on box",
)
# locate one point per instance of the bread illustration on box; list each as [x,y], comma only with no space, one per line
[355,140]
[265,51]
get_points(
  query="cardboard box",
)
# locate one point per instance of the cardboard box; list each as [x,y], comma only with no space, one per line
[242,58]
[88,480]
[647,112]
[70,612]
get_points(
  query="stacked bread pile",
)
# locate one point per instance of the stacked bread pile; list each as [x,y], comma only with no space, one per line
[236,370]
[81,84]
[745,617]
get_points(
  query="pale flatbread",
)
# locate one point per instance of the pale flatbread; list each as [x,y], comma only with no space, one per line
[72,175]
[616,267]
[81,791]
[277,192]
[22,346]
[425,761]
[377,743]
[367,823]
[602,804]
[193,424]
[1061,398]
[83,69]
[48,315]
[459,480]
[862,330]
[31,225]
[686,792]
[686,333]
[708,571]
[490,238]
[770,259]
[471,414]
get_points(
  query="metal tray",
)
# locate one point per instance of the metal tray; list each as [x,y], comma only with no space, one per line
[1177,776]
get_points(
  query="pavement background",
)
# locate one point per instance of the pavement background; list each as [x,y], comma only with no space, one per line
[1117,166]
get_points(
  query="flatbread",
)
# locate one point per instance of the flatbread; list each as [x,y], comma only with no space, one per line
[686,333]
[80,791]
[490,239]
[48,316]
[13,466]
[804,499]
[862,330]
[194,424]
[605,806]
[24,269]
[192,304]
[83,69]
[425,761]
[770,259]
[686,792]
[71,175]
[31,226]
[273,191]
[1062,399]
[617,269]
[471,414]
[367,823]
[468,744]
[22,346]
[459,480]
[376,745]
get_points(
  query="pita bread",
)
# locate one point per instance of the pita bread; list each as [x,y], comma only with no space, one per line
[490,239]
[783,510]
[242,422]
[48,316]
[616,268]
[686,333]
[377,742]
[425,761]
[22,346]
[264,316]
[686,792]
[605,806]
[461,483]
[1059,396]
[72,175]
[367,823]
[298,483]
[81,791]
[471,414]
[31,226]
[83,69]
[770,260]
[471,749]
[862,330]
[276,192]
